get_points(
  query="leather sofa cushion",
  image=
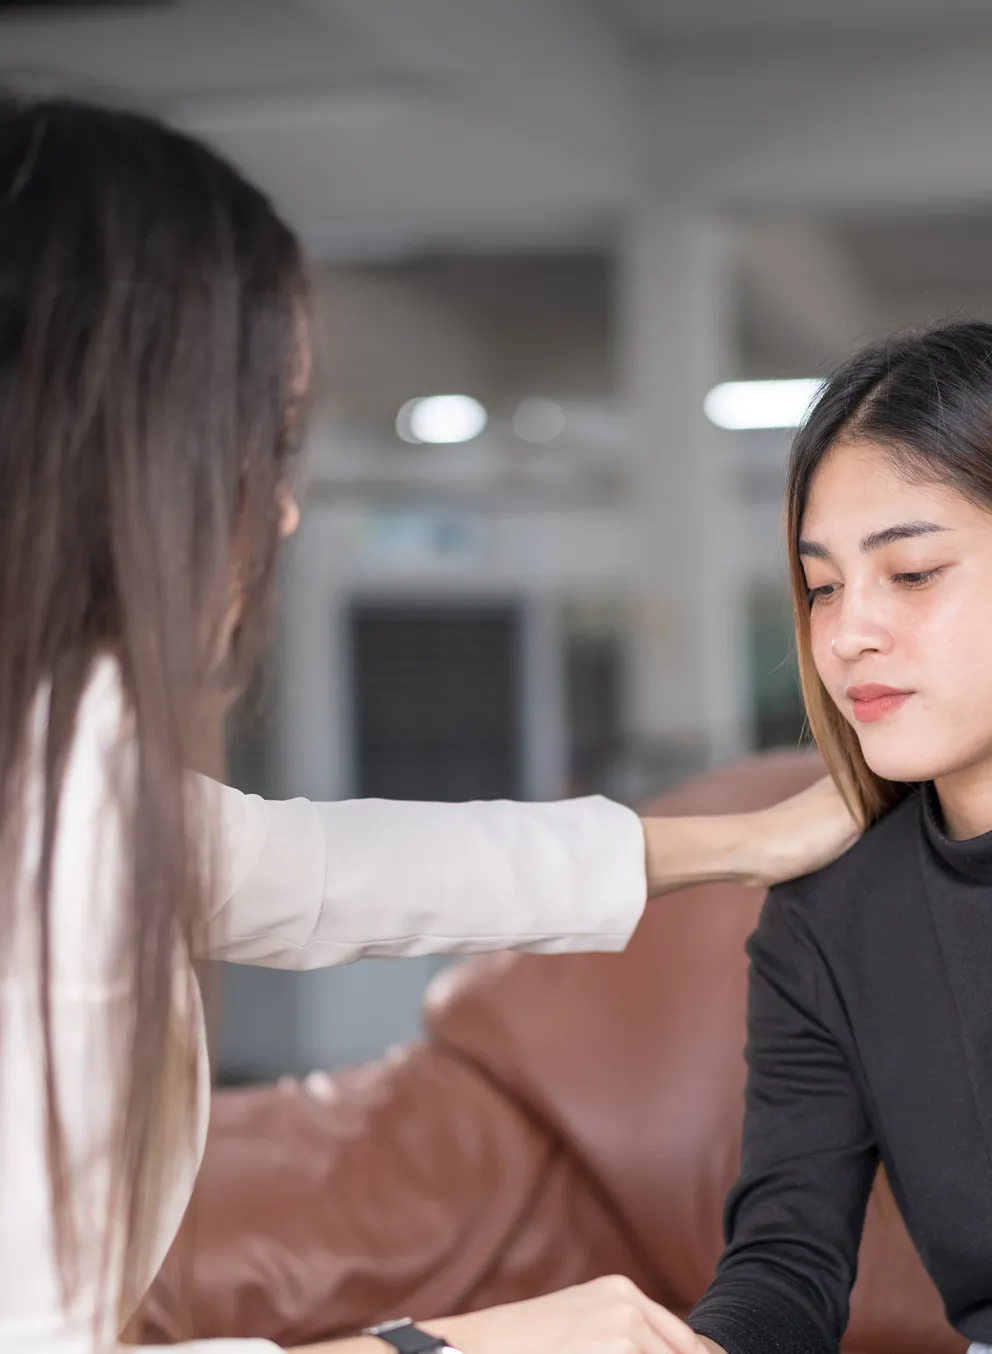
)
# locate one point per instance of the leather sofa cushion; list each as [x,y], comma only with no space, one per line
[413,1185]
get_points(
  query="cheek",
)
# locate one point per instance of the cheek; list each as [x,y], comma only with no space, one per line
[940,638]
[955,666]
[820,636]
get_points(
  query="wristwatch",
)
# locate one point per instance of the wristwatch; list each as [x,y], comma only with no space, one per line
[410,1339]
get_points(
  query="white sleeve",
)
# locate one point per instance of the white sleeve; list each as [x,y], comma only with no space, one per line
[310,885]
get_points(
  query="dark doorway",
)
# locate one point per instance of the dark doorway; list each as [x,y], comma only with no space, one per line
[437,701]
[594,677]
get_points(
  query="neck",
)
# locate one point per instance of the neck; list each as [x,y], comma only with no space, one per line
[966,801]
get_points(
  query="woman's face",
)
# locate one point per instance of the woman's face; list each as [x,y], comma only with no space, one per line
[900,576]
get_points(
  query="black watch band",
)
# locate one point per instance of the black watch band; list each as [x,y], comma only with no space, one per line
[408,1338]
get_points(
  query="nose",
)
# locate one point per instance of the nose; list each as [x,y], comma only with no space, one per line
[859,626]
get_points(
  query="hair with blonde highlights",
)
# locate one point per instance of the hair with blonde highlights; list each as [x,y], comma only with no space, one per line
[926,399]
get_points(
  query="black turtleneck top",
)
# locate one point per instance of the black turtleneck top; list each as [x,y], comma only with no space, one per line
[869,1038]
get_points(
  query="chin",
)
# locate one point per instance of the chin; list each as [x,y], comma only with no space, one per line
[903,759]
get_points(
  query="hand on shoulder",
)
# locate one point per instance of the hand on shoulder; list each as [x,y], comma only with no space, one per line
[802,834]
[767,846]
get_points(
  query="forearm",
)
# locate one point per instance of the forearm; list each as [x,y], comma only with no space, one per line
[685,851]
[795,1215]
[359,1344]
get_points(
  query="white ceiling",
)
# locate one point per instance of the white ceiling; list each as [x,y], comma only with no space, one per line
[372,119]
[383,123]
[386,128]
[665,21]
[186,49]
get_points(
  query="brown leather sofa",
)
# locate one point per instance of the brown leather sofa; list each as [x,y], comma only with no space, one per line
[562,1118]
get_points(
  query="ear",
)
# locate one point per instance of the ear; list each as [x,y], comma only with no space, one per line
[289,513]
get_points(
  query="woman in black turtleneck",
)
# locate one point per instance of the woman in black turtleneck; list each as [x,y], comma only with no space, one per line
[870,1038]
[870,1020]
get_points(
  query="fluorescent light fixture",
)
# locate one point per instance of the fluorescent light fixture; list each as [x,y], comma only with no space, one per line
[761,404]
[441,418]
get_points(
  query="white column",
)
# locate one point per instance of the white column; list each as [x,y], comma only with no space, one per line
[688,698]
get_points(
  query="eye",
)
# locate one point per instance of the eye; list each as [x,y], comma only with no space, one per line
[820,594]
[918,579]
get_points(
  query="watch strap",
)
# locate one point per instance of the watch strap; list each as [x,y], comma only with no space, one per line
[407,1338]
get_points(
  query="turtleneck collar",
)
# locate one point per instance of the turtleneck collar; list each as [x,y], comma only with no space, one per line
[971,858]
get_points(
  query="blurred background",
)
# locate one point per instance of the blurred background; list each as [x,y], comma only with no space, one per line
[575,221]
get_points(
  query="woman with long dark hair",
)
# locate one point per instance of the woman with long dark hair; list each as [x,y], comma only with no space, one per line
[870,1020]
[154,361]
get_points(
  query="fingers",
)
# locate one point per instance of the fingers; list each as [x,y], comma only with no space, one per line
[680,1339]
[662,1332]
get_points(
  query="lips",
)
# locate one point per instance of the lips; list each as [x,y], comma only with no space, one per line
[873,702]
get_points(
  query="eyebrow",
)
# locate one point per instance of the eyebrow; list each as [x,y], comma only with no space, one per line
[875,540]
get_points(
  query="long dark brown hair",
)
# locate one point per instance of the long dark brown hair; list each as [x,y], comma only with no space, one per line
[152,307]
[926,398]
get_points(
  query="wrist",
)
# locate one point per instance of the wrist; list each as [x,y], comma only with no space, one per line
[464,1333]
[748,848]
[680,852]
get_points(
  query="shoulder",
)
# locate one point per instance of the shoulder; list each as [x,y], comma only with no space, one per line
[853,891]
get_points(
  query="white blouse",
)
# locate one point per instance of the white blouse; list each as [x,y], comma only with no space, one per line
[305,885]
